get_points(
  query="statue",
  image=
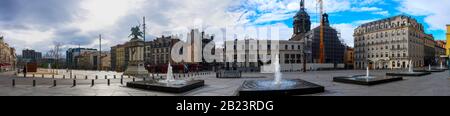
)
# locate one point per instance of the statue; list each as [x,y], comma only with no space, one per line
[136,64]
[136,32]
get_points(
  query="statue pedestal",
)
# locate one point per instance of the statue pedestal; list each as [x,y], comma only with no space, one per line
[136,69]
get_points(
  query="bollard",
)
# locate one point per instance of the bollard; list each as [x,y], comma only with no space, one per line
[108,82]
[74,83]
[121,76]
[114,76]
[14,82]
[54,83]
[64,76]
[134,79]
[161,77]
[75,77]
[42,75]
[33,75]
[53,76]
[121,81]
[34,83]
[92,82]
[96,77]
[129,76]
[85,77]
[106,76]
[144,78]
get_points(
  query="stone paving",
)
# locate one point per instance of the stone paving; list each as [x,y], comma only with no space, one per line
[436,84]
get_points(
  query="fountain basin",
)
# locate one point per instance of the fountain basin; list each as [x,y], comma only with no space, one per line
[362,80]
[229,74]
[431,71]
[409,74]
[153,85]
[288,87]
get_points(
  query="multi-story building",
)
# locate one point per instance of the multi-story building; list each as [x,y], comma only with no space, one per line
[440,52]
[90,61]
[349,60]
[389,43]
[118,58]
[429,50]
[447,46]
[158,53]
[73,53]
[8,59]
[31,55]
[303,47]
[251,55]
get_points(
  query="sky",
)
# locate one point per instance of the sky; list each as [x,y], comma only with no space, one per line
[38,24]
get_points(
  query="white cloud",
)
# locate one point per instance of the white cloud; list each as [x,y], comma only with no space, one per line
[113,19]
[436,12]
[346,30]
[363,9]
[28,39]
[384,13]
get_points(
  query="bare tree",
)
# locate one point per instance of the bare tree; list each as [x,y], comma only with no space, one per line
[55,53]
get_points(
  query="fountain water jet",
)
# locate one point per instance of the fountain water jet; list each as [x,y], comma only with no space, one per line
[170,80]
[278,86]
[366,79]
[410,72]
[277,72]
[170,84]
[410,67]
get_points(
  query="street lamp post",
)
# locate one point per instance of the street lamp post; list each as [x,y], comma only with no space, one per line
[100,54]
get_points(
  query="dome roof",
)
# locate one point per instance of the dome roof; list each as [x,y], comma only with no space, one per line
[301,14]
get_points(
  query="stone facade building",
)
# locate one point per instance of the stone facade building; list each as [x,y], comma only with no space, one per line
[251,55]
[158,53]
[429,50]
[390,43]
[73,53]
[90,61]
[8,58]
[447,46]
[159,50]
[440,52]
[349,59]
[118,58]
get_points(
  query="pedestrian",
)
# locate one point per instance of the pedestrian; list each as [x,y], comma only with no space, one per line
[25,71]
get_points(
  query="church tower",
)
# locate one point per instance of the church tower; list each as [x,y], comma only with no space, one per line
[302,22]
[326,22]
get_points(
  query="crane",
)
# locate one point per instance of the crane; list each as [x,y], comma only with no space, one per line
[322,46]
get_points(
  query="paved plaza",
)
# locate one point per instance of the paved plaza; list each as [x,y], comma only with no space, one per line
[436,84]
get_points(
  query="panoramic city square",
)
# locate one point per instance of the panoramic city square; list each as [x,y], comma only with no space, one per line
[436,84]
[224,48]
